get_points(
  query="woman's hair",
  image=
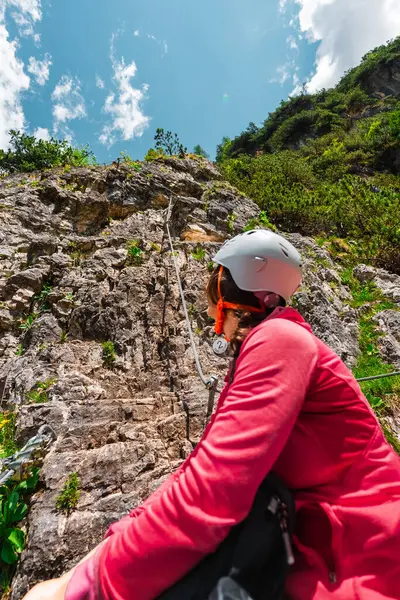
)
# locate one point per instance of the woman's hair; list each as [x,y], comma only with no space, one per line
[231,293]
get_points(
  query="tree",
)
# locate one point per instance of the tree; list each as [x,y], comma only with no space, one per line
[223,150]
[26,154]
[200,151]
[169,143]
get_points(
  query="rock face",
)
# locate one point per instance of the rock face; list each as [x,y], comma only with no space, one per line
[84,259]
[385,78]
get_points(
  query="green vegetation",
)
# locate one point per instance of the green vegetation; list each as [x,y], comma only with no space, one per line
[20,350]
[198,254]
[231,222]
[68,498]
[384,393]
[199,151]
[169,143]
[27,323]
[63,337]
[109,355]
[42,298]
[325,165]
[153,155]
[13,508]
[381,55]
[129,162]
[27,154]
[39,394]
[7,434]
[260,222]
[135,253]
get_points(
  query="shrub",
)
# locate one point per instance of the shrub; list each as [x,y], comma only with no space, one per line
[153,155]
[68,498]
[109,354]
[28,154]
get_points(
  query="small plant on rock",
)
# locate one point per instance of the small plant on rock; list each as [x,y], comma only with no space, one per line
[20,350]
[7,434]
[68,498]
[198,254]
[43,296]
[129,162]
[63,337]
[109,354]
[231,222]
[135,253]
[27,323]
[39,394]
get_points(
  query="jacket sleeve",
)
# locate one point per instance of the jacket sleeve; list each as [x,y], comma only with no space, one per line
[124,522]
[217,485]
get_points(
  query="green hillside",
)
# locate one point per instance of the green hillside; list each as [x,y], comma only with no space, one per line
[328,164]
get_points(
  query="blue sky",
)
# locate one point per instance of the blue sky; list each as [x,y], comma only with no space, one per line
[109,73]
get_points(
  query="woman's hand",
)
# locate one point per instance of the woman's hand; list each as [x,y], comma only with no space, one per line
[54,589]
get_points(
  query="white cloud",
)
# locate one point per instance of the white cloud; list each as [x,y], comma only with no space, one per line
[68,102]
[13,80]
[31,8]
[40,68]
[292,42]
[25,15]
[41,133]
[124,106]
[282,5]
[346,30]
[136,33]
[285,72]
[99,82]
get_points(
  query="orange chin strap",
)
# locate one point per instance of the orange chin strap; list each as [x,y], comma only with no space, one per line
[222,306]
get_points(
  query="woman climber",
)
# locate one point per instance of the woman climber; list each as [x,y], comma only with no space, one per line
[289,405]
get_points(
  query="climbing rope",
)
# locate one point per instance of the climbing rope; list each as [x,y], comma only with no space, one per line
[394,374]
[211,382]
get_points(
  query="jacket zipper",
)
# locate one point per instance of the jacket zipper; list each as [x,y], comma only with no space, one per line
[276,506]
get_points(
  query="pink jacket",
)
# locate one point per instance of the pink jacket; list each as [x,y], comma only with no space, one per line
[293,406]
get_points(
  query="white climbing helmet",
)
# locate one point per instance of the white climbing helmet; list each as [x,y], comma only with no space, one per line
[260,260]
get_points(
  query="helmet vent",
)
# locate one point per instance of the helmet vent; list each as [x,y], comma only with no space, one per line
[284,250]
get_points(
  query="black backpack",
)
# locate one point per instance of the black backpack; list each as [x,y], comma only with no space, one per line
[252,563]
